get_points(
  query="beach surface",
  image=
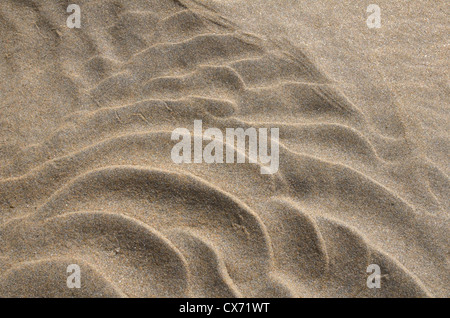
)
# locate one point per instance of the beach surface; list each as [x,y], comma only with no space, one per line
[87,177]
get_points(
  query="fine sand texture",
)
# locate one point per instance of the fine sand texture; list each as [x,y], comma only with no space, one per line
[87,178]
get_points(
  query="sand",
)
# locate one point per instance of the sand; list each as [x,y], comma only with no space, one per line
[87,178]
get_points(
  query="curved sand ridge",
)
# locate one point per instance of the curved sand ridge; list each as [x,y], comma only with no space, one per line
[101,190]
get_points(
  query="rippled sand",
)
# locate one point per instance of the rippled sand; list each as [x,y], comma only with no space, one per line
[86,176]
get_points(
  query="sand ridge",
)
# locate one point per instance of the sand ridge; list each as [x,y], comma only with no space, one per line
[91,181]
